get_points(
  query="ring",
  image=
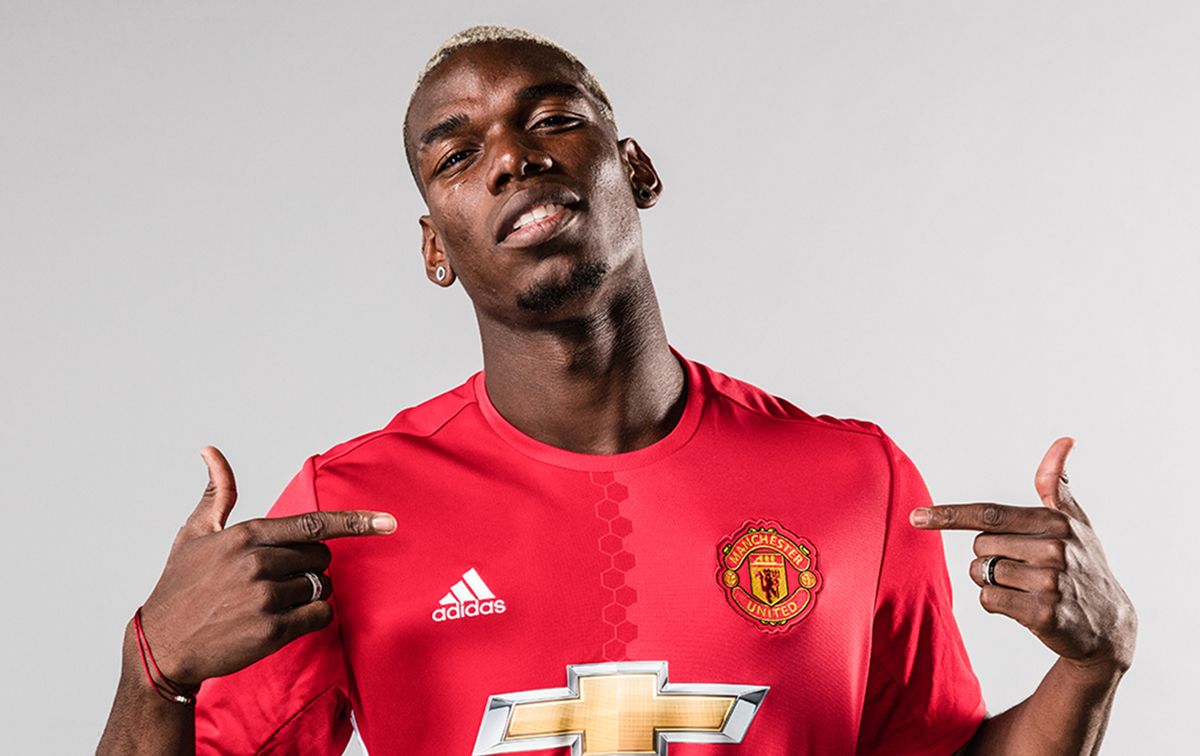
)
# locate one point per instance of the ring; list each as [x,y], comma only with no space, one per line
[316,586]
[988,568]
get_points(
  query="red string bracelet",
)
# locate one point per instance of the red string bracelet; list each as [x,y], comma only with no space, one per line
[168,690]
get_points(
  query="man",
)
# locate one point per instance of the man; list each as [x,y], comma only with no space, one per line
[596,544]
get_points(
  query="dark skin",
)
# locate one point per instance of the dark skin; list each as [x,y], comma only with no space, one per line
[593,373]
[227,597]
[1052,578]
[576,356]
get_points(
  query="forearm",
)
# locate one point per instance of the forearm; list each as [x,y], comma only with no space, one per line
[141,722]
[1067,714]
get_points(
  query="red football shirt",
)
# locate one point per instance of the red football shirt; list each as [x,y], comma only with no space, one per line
[749,586]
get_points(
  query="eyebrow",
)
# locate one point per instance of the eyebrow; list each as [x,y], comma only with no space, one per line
[549,89]
[442,128]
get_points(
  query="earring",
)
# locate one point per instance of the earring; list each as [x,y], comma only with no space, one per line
[644,194]
[440,273]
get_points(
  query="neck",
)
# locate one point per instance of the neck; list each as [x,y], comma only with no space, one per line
[603,383]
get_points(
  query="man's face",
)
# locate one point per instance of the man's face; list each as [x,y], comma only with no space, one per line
[532,199]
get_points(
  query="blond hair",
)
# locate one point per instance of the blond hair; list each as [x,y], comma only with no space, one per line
[478,35]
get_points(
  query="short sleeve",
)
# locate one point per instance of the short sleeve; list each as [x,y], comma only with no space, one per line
[295,701]
[922,695]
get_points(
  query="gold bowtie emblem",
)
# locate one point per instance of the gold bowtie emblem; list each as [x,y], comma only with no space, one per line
[616,709]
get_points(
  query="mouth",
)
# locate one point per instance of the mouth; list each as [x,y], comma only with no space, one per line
[533,216]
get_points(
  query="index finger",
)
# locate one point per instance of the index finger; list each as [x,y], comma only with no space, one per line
[319,526]
[992,518]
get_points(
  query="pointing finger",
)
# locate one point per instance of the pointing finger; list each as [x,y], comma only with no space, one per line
[1051,480]
[219,495]
[992,518]
[319,526]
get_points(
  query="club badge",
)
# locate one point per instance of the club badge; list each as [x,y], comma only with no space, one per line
[769,575]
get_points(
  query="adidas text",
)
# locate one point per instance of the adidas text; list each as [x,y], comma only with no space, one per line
[472,609]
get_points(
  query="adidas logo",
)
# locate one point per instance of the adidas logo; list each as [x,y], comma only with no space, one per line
[469,597]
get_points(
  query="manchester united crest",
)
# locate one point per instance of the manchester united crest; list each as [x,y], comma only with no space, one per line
[769,575]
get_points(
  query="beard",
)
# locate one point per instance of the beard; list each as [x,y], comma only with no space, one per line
[584,278]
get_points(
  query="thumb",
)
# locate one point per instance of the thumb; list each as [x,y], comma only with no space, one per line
[219,495]
[1051,480]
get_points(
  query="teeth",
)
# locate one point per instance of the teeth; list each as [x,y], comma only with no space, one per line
[536,214]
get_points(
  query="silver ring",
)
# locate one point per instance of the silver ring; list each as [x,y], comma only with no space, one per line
[988,568]
[317,587]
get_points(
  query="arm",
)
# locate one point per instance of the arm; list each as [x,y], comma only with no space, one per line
[140,720]
[1049,573]
[227,598]
[1066,714]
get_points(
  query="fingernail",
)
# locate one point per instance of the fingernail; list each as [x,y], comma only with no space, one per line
[919,517]
[383,523]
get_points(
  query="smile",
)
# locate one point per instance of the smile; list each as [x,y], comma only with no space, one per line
[536,214]
[537,225]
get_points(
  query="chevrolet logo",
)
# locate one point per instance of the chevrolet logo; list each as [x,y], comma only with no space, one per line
[615,709]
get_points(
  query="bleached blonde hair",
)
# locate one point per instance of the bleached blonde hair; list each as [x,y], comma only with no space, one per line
[478,35]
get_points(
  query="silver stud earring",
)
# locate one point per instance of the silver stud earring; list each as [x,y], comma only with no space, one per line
[440,273]
[644,193]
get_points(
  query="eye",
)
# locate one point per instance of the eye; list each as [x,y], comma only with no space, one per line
[452,160]
[554,121]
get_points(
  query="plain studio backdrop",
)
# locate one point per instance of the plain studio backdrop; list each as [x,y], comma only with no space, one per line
[974,223]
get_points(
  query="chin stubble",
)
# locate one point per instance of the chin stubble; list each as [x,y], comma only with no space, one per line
[585,278]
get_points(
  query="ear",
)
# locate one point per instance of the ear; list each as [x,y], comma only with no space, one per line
[433,254]
[643,179]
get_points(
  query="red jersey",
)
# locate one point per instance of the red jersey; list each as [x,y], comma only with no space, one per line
[747,586]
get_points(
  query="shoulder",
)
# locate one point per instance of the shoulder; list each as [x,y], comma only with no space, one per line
[414,424]
[745,398]
[776,426]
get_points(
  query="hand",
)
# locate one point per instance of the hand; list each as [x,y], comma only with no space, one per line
[230,596]
[1052,576]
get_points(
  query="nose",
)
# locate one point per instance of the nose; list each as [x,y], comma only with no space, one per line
[515,160]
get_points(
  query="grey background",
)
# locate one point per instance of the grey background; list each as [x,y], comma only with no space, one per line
[974,223]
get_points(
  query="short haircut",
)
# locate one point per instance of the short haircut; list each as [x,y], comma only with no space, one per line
[478,35]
